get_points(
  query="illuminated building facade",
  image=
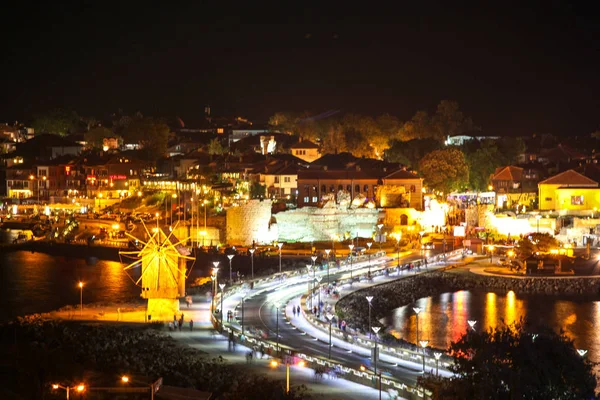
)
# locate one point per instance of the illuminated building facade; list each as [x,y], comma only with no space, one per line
[568,190]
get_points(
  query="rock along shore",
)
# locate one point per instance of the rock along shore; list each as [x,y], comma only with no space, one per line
[390,296]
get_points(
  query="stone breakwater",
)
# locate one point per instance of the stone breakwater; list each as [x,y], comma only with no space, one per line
[387,297]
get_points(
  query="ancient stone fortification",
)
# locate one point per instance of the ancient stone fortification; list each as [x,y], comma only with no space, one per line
[405,291]
[312,223]
[250,222]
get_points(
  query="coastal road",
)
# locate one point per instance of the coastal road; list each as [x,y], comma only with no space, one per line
[260,313]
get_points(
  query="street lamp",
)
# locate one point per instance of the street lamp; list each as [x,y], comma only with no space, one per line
[330,319]
[327,252]
[153,386]
[417,310]
[351,246]
[319,279]
[491,248]
[280,245]
[421,242]
[173,196]
[437,356]
[472,324]
[213,293]
[230,256]
[244,294]
[274,364]
[79,388]
[424,344]
[80,298]
[375,355]
[309,268]
[379,226]
[369,299]
[252,260]
[222,286]
[203,236]
[369,244]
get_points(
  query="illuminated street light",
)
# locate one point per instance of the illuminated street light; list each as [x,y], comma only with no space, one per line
[79,388]
[330,319]
[424,344]
[274,364]
[280,245]
[222,286]
[491,249]
[327,252]
[80,298]
[375,354]
[437,356]
[472,324]
[369,244]
[230,256]
[252,260]
[319,279]
[351,246]
[369,299]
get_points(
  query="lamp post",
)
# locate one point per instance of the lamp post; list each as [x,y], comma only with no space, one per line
[79,388]
[330,319]
[472,323]
[213,291]
[173,196]
[375,355]
[309,268]
[215,272]
[319,278]
[437,356]
[379,226]
[417,311]
[421,242]
[153,389]
[204,236]
[252,260]
[230,256]
[222,286]
[369,244]
[313,258]
[424,344]
[274,364]
[491,248]
[369,299]
[280,245]
[351,246]
[327,252]
[538,217]
[80,298]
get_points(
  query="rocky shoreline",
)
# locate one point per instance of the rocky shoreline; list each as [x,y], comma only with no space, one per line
[387,297]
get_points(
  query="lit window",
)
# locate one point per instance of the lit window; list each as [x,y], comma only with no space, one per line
[577,200]
[306,199]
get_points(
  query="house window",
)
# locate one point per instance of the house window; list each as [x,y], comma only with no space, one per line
[314,199]
[348,188]
[412,188]
[340,188]
[276,179]
[323,188]
[286,179]
[357,188]
[306,199]
[548,199]
[577,200]
[366,189]
[331,188]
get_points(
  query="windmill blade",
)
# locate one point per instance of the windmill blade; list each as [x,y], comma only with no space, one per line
[147,268]
[134,264]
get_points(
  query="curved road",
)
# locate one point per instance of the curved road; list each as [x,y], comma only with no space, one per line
[259,312]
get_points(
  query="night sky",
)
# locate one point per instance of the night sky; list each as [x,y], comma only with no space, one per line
[515,70]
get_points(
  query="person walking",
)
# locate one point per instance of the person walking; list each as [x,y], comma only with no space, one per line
[191,325]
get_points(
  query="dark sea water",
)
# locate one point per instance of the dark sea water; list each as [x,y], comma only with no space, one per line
[444,317]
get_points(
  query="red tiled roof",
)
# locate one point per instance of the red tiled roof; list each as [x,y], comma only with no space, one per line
[508,173]
[569,178]
[305,144]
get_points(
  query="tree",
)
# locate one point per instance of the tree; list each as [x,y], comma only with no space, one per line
[510,363]
[257,191]
[284,122]
[58,122]
[536,242]
[445,170]
[152,135]
[333,140]
[510,149]
[411,152]
[483,158]
[215,147]
[419,127]
[95,137]
[450,121]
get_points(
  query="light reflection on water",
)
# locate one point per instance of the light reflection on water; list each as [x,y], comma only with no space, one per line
[37,282]
[444,317]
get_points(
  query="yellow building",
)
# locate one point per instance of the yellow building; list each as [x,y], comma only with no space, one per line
[568,190]
[306,151]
